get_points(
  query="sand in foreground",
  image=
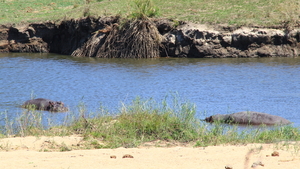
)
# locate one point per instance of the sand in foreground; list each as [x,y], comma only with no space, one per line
[24,153]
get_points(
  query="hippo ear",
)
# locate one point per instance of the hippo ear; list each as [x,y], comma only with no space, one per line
[51,103]
[209,119]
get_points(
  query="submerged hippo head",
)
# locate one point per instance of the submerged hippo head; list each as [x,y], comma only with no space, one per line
[57,107]
[45,104]
[209,119]
[217,118]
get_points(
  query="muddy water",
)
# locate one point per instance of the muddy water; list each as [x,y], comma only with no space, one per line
[270,85]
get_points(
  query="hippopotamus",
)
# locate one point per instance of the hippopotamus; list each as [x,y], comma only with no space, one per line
[45,104]
[248,118]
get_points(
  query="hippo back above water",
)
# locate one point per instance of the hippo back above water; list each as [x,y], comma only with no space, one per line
[249,118]
[45,104]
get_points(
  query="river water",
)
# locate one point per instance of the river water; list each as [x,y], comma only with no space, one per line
[227,85]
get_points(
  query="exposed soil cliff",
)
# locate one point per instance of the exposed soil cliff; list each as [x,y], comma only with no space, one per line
[185,40]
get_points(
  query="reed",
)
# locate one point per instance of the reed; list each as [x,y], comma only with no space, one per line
[141,121]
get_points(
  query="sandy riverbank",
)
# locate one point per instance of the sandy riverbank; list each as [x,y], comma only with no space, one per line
[25,152]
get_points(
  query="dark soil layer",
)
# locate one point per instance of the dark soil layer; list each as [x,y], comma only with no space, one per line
[185,40]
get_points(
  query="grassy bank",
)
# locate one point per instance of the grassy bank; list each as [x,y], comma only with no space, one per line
[146,120]
[243,12]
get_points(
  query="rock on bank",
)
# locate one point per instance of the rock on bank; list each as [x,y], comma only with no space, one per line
[185,40]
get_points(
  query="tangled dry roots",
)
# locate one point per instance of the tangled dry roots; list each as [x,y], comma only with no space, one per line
[135,39]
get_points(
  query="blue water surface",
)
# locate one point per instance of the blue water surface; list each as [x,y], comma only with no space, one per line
[227,85]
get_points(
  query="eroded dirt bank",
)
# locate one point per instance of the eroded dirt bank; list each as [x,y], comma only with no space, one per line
[185,40]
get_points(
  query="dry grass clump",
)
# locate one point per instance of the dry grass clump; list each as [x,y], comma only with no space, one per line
[138,38]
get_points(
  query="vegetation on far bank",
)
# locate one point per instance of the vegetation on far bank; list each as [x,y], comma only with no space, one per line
[144,120]
[243,12]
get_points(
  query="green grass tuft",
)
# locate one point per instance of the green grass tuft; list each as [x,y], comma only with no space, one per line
[143,9]
[141,121]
